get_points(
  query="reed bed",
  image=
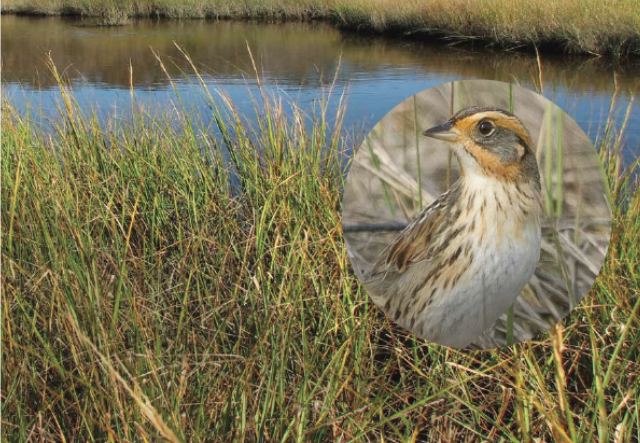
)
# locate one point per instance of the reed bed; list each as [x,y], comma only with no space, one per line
[580,26]
[160,283]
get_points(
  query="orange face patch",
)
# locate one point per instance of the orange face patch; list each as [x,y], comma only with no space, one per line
[491,163]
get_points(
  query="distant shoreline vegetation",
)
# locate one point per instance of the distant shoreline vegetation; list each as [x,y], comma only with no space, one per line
[598,27]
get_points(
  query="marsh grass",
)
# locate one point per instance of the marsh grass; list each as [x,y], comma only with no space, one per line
[581,26]
[162,284]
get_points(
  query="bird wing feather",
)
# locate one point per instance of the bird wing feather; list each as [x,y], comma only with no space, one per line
[413,244]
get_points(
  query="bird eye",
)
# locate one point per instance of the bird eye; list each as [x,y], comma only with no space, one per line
[486,128]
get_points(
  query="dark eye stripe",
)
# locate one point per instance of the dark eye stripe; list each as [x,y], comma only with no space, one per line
[521,141]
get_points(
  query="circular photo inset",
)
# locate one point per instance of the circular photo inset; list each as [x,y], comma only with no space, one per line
[476,214]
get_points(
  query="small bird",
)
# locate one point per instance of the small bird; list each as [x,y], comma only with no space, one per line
[464,260]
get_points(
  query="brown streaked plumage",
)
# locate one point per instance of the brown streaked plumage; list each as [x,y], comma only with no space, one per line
[464,260]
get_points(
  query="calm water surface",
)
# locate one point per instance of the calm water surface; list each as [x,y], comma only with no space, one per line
[375,74]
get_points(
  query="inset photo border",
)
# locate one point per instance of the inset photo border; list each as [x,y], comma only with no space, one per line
[412,228]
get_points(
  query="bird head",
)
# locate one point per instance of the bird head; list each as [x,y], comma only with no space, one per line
[489,142]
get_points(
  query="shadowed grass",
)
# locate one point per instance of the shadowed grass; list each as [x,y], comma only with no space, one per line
[584,26]
[163,284]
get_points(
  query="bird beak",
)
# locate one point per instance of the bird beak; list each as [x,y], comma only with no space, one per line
[443,132]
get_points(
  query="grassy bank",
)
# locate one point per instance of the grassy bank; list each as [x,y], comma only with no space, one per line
[581,26]
[161,284]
